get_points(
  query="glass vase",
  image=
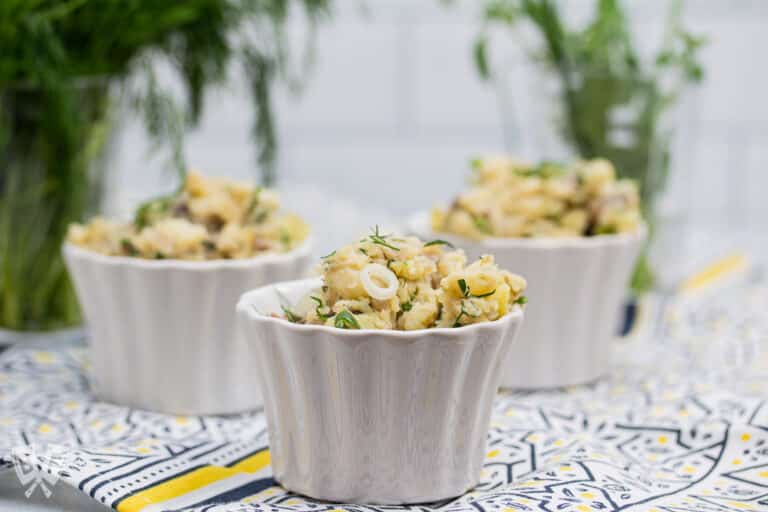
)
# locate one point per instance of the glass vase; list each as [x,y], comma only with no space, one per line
[54,146]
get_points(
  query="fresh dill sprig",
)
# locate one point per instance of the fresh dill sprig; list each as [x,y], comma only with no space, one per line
[290,315]
[462,313]
[285,238]
[545,169]
[465,291]
[346,320]
[320,305]
[439,242]
[482,224]
[128,247]
[379,239]
[254,214]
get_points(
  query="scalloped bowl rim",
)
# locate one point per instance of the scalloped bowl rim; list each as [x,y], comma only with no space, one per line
[300,251]
[245,306]
[420,224]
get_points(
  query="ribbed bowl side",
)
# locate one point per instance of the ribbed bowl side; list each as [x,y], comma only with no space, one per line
[575,298]
[163,337]
[376,418]
[576,289]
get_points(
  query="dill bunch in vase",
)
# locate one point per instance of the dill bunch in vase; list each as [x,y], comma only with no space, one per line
[66,66]
[610,100]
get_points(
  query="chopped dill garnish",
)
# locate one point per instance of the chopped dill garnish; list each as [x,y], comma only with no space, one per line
[481,223]
[521,300]
[285,238]
[290,315]
[327,255]
[439,242]
[467,293]
[253,213]
[457,322]
[544,170]
[320,306]
[462,313]
[128,247]
[380,239]
[346,320]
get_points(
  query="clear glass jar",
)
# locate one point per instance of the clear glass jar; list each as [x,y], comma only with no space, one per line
[53,154]
[635,122]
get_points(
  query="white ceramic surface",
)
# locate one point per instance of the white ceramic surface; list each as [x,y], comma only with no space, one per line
[162,332]
[576,289]
[370,416]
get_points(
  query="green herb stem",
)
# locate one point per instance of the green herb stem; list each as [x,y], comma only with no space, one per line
[346,320]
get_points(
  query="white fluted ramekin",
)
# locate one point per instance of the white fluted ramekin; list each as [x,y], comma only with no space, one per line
[374,416]
[162,332]
[576,290]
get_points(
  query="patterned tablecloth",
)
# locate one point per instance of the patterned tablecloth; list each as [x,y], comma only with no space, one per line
[681,424]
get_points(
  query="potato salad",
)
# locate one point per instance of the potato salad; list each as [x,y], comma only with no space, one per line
[209,218]
[390,282]
[510,198]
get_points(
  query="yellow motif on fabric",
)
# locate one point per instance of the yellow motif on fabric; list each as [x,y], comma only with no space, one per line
[715,272]
[192,481]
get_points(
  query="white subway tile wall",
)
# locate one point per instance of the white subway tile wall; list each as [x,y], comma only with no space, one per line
[394,109]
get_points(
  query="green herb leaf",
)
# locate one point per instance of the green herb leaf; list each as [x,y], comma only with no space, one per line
[546,170]
[521,300]
[285,238]
[328,255]
[606,229]
[128,247]
[465,291]
[152,211]
[481,57]
[462,313]
[482,224]
[439,242]
[318,311]
[463,287]
[406,306]
[252,213]
[290,315]
[380,239]
[346,320]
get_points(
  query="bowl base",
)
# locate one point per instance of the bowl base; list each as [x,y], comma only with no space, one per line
[377,500]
